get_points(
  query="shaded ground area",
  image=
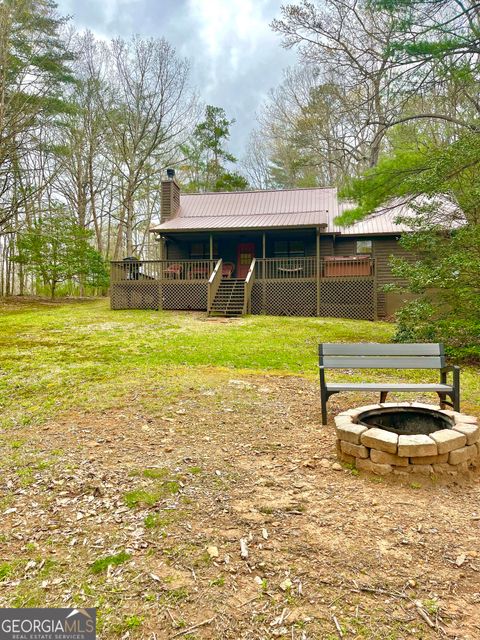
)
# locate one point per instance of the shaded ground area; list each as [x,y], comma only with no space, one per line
[139,510]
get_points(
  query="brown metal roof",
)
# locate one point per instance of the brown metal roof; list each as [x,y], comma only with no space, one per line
[270,221]
[384,220]
[282,208]
[253,210]
[380,222]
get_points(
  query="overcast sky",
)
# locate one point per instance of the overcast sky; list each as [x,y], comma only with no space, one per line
[235,56]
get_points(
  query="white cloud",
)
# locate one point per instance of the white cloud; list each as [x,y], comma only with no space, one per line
[232,31]
[236,58]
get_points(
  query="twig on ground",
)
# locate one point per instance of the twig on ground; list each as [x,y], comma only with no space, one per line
[170,615]
[248,601]
[193,627]
[338,627]
[393,594]
[335,600]
[423,614]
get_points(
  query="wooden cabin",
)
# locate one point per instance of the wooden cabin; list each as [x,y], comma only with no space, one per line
[276,252]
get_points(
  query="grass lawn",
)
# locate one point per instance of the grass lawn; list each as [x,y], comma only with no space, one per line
[139,447]
[84,355]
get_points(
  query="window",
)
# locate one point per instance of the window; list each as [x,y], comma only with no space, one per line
[201,250]
[364,247]
[288,248]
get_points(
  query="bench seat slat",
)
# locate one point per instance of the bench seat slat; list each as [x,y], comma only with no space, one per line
[377,362]
[380,349]
[370,386]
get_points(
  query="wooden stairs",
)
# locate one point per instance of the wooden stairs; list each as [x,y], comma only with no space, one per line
[229,301]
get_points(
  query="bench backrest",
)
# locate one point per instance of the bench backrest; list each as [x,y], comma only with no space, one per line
[373,355]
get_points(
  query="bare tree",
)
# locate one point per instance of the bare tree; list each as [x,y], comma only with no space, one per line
[84,167]
[148,109]
[355,46]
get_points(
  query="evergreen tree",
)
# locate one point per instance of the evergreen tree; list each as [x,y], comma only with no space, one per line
[206,155]
[440,178]
[34,70]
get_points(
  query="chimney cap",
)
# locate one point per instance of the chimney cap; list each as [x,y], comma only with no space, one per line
[170,174]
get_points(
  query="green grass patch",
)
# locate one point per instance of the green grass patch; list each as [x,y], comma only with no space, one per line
[5,570]
[102,564]
[156,474]
[142,497]
[159,520]
[139,497]
[194,470]
[174,596]
[83,355]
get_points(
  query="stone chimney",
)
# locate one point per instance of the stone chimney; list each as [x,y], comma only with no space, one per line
[170,197]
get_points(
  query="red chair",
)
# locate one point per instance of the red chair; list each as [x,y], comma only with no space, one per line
[174,271]
[199,272]
[227,269]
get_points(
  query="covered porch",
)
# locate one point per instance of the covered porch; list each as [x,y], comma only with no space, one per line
[238,248]
[278,272]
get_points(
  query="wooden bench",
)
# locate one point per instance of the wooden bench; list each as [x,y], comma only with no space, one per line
[387,356]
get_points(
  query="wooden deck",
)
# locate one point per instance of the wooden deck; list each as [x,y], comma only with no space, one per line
[303,286]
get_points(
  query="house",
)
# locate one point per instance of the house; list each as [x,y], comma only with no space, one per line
[275,252]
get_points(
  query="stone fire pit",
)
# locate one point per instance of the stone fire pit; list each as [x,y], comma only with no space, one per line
[408,437]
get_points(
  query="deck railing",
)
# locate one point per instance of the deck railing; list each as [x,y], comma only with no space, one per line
[347,266]
[306,268]
[214,283]
[285,268]
[170,270]
[249,280]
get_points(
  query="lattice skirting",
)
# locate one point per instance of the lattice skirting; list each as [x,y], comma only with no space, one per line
[155,295]
[338,298]
[347,299]
[285,298]
[135,295]
[190,295]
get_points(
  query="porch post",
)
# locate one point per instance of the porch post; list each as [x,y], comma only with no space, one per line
[318,271]
[211,246]
[264,255]
[161,252]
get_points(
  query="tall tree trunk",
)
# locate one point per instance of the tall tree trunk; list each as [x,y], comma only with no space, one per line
[118,241]
[129,228]
[93,206]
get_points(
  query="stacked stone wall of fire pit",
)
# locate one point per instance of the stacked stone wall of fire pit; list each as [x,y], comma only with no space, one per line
[446,451]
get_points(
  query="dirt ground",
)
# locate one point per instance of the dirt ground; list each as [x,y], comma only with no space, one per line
[140,511]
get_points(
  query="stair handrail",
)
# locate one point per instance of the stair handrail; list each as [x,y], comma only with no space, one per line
[214,283]
[248,288]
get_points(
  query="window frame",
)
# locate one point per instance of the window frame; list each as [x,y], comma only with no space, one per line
[205,250]
[289,253]
[368,241]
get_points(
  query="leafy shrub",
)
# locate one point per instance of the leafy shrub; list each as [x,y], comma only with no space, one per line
[418,321]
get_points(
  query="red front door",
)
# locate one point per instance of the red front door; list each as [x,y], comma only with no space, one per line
[245,255]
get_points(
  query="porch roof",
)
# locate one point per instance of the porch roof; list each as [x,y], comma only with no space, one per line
[253,210]
[232,223]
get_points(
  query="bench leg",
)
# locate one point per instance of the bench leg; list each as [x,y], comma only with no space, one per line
[456,389]
[383,396]
[324,410]
[456,401]
[443,400]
